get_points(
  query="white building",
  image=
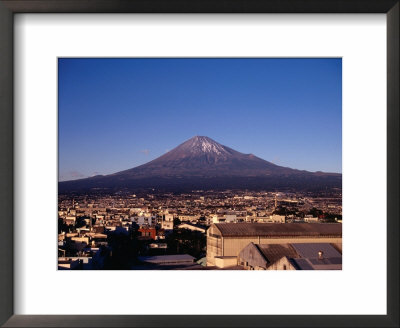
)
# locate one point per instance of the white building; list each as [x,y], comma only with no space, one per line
[231,218]
[189,218]
[167,225]
[144,220]
[215,218]
[277,218]
[169,217]
[311,219]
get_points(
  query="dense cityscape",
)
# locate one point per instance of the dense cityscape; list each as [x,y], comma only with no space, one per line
[151,230]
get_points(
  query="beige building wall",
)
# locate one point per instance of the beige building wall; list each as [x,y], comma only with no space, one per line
[225,262]
[214,248]
[233,245]
[214,245]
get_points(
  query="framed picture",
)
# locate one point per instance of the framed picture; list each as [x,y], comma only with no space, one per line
[127,122]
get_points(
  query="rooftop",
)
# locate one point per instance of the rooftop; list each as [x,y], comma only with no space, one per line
[193,225]
[167,259]
[333,263]
[309,250]
[303,256]
[274,252]
[275,230]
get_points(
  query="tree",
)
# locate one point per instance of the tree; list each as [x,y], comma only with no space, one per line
[177,222]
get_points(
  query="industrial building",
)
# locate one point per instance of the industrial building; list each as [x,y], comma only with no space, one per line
[226,240]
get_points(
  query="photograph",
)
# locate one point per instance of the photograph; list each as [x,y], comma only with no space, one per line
[199,163]
[145,141]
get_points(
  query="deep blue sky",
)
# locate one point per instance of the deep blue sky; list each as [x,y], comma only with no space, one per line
[115,114]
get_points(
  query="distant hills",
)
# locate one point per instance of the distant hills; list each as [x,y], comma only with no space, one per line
[202,163]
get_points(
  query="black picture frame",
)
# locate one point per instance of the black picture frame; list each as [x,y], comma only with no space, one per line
[10,7]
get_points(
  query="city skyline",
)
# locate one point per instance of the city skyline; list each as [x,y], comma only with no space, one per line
[116,114]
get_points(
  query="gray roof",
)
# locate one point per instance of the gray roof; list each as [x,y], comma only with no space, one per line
[167,259]
[279,230]
[301,264]
[311,250]
[333,263]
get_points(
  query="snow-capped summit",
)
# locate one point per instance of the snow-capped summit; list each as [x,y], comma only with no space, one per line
[206,145]
[201,144]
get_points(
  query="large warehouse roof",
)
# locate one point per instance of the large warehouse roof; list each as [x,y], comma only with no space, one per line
[276,229]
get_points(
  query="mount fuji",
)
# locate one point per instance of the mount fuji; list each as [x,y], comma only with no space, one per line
[202,163]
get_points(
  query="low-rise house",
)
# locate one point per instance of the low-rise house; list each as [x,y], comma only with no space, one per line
[169,217]
[261,219]
[310,219]
[277,218]
[230,218]
[167,225]
[189,218]
[98,229]
[218,218]
[144,220]
[148,232]
[70,220]
[81,240]
[68,264]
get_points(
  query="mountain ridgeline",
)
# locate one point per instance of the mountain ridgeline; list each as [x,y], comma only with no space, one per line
[201,163]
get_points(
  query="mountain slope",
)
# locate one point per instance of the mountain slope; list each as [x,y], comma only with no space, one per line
[202,156]
[202,163]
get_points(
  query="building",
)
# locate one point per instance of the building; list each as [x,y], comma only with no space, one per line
[144,220]
[193,227]
[149,232]
[310,219]
[226,240]
[215,218]
[70,220]
[167,225]
[316,257]
[297,256]
[189,218]
[169,218]
[68,264]
[277,218]
[230,218]
[75,263]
